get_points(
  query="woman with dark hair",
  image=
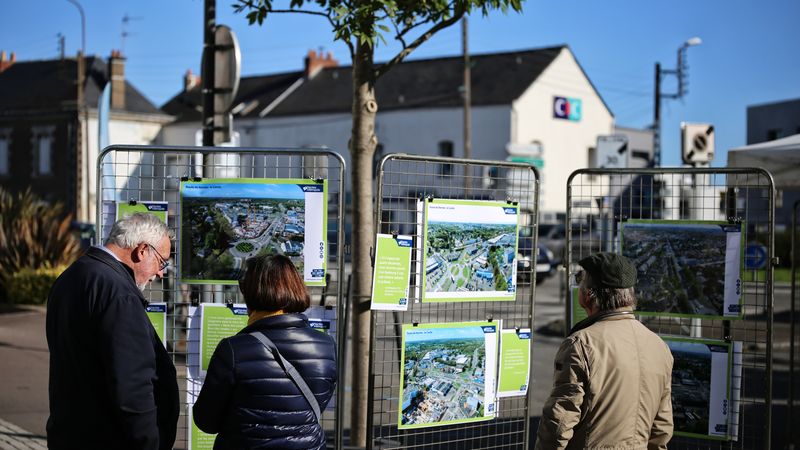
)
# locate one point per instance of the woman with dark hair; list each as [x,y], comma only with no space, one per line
[250,396]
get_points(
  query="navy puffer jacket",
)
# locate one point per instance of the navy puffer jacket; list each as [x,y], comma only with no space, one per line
[248,399]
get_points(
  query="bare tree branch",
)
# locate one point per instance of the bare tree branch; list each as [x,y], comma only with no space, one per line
[457,15]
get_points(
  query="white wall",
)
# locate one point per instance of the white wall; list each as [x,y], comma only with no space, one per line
[566,143]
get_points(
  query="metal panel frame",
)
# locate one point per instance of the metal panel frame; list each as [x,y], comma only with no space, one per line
[402,181]
[153,173]
[750,198]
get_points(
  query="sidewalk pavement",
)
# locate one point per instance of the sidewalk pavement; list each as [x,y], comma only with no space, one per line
[14,437]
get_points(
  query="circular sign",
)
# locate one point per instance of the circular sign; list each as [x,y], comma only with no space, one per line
[755,256]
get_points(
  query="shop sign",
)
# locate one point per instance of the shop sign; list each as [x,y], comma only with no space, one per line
[567,108]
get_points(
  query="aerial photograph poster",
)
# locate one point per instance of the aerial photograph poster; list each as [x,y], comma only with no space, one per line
[700,387]
[686,268]
[226,221]
[448,374]
[470,250]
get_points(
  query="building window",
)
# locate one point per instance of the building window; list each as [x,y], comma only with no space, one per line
[44,155]
[446,150]
[773,134]
[42,144]
[5,155]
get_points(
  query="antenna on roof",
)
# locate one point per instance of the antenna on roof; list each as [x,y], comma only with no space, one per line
[124,33]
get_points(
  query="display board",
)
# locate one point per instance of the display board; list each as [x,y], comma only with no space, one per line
[701,374]
[577,313]
[157,313]
[513,377]
[686,268]
[158,209]
[391,272]
[448,373]
[218,321]
[226,221]
[470,250]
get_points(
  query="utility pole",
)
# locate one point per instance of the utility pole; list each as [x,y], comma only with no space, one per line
[681,73]
[207,74]
[82,208]
[467,102]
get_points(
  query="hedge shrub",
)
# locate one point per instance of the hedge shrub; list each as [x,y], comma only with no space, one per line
[31,286]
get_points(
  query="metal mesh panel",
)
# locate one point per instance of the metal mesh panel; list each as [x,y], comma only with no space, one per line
[154,173]
[600,200]
[403,181]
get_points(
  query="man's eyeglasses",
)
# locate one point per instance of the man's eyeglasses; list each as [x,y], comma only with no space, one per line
[577,278]
[163,263]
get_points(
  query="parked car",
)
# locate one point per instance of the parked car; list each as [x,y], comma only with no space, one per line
[585,240]
[544,259]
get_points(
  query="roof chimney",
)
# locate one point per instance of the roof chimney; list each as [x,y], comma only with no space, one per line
[5,64]
[116,70]
[190,80]
[315,62]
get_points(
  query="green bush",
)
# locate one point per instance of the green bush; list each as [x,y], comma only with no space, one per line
[33,235]
[31,286]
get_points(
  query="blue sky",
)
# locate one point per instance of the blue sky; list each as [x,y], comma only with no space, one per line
[748,56]
[431,334]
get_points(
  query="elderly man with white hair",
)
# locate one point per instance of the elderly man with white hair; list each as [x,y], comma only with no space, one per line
[112,382]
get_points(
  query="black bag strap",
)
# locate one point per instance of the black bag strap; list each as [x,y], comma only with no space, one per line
[292,372]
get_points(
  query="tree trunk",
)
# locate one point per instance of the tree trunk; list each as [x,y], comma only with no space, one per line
[362,148]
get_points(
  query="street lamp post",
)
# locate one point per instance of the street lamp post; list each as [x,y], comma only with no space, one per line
[681,72]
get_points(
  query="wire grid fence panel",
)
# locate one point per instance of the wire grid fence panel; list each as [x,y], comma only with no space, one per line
[403,181]
[600,200]
[151,173]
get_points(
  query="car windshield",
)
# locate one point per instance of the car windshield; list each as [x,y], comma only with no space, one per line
[544,229]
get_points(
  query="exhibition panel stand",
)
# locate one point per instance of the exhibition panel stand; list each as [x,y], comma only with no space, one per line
[224,205]
[452,304]
[702,240]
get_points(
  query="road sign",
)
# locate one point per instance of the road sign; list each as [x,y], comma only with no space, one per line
[697,143]
[612,152]
[755,256]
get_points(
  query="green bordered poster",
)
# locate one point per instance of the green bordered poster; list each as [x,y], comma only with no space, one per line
[198,440]
[390,277]
[157,313]
[686,268]
[448,373]
[701,374]
[158,209]
[470,251]
[515,363]
[218,321]
[577,313]
[225,221]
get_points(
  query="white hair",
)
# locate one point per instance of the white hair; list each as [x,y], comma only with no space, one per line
[138,228]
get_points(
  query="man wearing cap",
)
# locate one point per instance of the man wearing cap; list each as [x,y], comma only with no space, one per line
[612,380]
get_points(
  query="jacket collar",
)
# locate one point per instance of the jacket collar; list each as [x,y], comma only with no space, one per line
[290,320]
[117,266]
[615,314]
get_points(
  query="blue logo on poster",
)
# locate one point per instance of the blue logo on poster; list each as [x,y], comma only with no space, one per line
[567,108]
[404,242]
[524,335]
[510,210]
[239,311]
[311,187]
[318,273]
[490,329]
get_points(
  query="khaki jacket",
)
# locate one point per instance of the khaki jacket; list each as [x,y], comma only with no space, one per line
[611,388]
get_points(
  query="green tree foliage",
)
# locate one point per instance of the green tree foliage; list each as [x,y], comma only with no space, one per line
[362,25]
[33,235]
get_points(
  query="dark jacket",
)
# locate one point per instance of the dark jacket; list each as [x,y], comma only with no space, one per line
[250,401]
[112,383]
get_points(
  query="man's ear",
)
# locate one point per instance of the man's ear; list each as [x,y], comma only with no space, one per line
[137,253]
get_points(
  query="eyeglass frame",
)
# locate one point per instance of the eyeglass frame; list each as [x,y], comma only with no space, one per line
[578,277]
[164,262]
